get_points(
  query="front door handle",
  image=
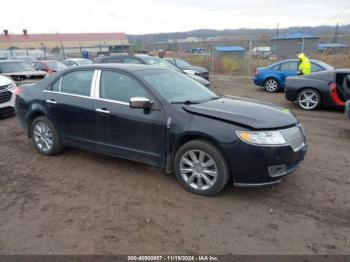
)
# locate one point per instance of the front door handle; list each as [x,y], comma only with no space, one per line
[51,101]
[103,110]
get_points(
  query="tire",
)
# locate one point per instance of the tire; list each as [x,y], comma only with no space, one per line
[272,85]
[309,99]
[45,137]
[199,179]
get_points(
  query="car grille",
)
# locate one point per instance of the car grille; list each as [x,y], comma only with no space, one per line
[5,96]
[294,137]
[2,88]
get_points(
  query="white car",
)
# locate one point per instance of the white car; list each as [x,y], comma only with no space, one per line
[76,62]
[7,96]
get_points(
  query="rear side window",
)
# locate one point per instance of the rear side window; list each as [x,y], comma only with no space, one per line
[316,68]
[77,83]
[289,66]
[120,87]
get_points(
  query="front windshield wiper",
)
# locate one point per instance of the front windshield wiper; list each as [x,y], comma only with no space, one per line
[187,102]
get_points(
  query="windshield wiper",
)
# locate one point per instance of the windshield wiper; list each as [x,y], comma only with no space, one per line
[187,102]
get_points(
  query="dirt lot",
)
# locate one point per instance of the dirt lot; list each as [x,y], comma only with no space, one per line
[85,203]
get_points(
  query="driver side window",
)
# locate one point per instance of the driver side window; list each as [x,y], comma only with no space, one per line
[120,87]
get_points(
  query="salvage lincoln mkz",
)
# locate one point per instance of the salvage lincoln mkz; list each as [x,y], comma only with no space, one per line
[162,117]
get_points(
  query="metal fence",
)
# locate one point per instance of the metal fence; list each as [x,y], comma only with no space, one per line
[234,56]
[225,56]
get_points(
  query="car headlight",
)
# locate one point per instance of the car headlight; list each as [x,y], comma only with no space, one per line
[262,137]
[191,72]
[11,86]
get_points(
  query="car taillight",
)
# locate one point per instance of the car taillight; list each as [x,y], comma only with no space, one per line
[18,91]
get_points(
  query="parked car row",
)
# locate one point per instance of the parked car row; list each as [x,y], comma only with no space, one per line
[325,86]
[151,60]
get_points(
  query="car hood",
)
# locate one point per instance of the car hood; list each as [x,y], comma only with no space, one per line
[26,73]
[196,68]
[251,114]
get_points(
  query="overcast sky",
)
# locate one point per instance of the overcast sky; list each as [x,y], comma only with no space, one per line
[153,16]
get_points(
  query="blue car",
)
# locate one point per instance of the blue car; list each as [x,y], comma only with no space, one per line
[273,77]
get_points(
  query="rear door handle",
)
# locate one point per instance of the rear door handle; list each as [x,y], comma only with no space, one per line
[103,110]
[51,101]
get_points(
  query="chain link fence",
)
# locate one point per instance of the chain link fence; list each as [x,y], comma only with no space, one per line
[232,57]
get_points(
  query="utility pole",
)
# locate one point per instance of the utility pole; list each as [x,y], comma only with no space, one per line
[250,58]
[303,45]
[277,31]
[336,33]
[213,57]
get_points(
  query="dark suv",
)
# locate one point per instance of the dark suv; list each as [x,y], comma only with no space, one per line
[164,118]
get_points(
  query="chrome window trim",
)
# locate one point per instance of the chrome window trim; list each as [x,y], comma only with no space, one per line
[67,94]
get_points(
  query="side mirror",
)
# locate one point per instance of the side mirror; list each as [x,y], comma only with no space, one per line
[140,102]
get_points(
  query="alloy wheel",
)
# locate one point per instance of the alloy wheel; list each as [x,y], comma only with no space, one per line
[271,85]
[42,136]
[198,169]
[308,100]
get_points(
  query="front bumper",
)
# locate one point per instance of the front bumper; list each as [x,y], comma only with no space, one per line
[255,166]
[8,106]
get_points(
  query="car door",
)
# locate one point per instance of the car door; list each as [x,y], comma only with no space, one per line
[286,69]
[70,106]
[133,133]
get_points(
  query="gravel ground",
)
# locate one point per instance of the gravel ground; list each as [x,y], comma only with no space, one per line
[85,203]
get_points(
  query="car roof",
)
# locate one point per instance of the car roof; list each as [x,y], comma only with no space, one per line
[124,67]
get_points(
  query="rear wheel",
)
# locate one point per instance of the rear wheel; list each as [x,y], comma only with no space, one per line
[201,168]
[309,99]
[45,137]
[272,85]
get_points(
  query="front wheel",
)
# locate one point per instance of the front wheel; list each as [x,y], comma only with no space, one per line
[45,137]
[201,168]
[309,99]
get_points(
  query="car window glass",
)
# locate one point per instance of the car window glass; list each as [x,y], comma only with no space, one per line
[130,60]
[289,66]
[78,82]
[56,86]
[113,60]
[119,87]
[276,67]
[315,68]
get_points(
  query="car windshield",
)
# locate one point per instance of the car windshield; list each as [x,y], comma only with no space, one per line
[182,63]
[10,67]
[54,65]
[83,61]
[176,87]
[159,62]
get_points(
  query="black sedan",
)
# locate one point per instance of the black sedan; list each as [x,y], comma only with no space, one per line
[164,118]
[188,68]
[327,88]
